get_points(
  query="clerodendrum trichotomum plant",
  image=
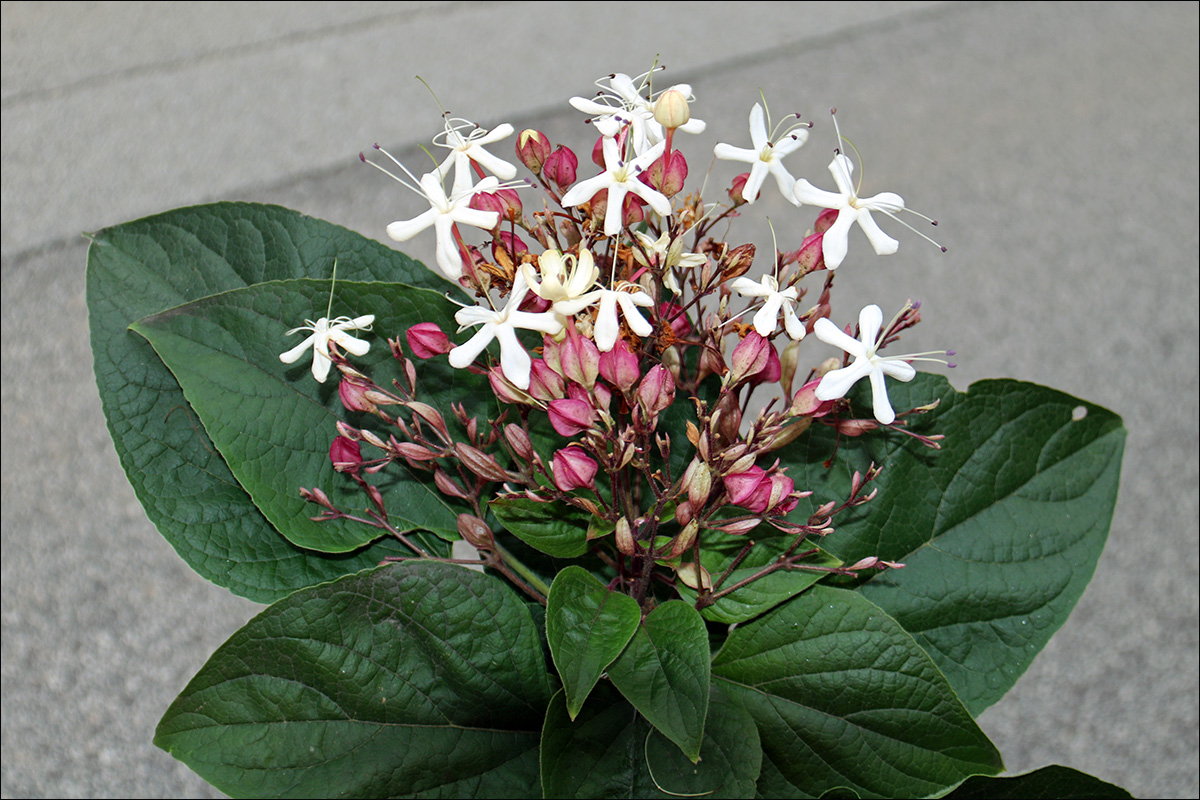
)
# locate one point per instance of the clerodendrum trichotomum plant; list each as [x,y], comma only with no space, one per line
[607,504]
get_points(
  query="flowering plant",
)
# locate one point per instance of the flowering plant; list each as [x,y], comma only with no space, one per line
[600,507]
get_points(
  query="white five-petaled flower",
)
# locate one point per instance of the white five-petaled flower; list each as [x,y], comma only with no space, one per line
[767,318]
[515,363]
[619,179]
[620,103]
[465,149]
[443,213]
[666,253]
[851,208]
[607,329]
[325,331]
[836,383]
[764,156]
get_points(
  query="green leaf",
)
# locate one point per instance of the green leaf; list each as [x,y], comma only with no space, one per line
[1047,783]
[144,267]
[1000,530]
[273,423]
[664,673]
[763,594]
[612,751]
[554,528]
[420,679]
[587,626]
[843,697]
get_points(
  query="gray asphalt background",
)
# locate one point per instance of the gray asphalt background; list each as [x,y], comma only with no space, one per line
[1057,144]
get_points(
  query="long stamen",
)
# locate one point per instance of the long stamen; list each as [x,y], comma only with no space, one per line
[411,186]
[929,239]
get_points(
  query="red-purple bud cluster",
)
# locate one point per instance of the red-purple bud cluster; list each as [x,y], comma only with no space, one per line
[761,492]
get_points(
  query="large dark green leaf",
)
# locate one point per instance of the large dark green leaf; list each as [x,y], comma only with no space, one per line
[420,679]
[763,594]
[587,627]
[554,528]
[1047,783]
[665,673]
[612,751]
[144,267]
[843,697]
[273,422]
[1000,529]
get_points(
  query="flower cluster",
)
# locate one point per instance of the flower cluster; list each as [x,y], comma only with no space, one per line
[612,308]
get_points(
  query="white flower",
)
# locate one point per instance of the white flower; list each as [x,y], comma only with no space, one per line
[666,254]
[767,318]
[626,297]
[465,149]
[325,331]
[851,208]
[444,212]
[564,278]
[764,156]
[835,384]
[620,103]
[619,178]
[514,361]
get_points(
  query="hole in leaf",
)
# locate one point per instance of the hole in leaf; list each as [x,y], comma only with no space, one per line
[1079,413]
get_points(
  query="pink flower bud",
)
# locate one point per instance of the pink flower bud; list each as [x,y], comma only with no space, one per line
[475,531]
[550,350]
[760,492]
[573,469]
[685,539]
[697,480]
[619,366]
[426,340]
[825,219]
[489,201]
[570,417]
[345,454]
[513,209]
[667,173]
[598,153]
[771,371]
[735,188]
[855,427]
[511,243]
[580,359]
[737,528]
[533,148]
[544,383]
[811,255]
[805,402]
[656,392]
[505,391]
[750,357]
[354,395]
[519,441]
[560,167]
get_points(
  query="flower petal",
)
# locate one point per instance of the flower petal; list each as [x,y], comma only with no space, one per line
[291,356]
[836,383]
[465,354]
[829,333]
[515,363]
[879,399]
[836,239]
[870,320]
[884,245]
